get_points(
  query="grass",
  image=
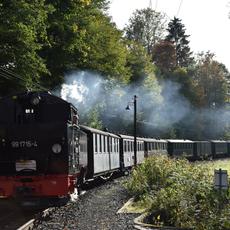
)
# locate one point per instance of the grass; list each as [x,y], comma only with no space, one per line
[224,164]
[181,193]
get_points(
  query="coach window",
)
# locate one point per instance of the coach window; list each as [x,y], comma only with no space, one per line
[109,147]
[111,144]
[105,144]
[114,145]
[99,143]
[95,142]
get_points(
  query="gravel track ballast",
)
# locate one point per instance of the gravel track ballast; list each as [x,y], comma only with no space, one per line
[97,209]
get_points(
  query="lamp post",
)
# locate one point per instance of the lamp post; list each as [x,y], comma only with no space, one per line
[134,103]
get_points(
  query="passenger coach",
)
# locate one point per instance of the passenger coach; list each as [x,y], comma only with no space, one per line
[127,151]
[154,146]
[103,152]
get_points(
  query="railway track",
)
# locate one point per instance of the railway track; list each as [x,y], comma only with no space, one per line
[13,217]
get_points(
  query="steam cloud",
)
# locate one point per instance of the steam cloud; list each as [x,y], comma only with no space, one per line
[158,111]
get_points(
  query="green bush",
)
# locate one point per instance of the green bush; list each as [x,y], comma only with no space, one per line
[180,194]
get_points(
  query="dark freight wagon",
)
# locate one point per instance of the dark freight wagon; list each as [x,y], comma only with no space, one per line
[180,148]
[219,148]
[202,150]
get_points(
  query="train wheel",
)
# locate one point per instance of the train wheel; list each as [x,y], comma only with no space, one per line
[126,172]
[81,180]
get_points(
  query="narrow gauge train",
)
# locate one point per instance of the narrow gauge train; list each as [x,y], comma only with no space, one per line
[45,155]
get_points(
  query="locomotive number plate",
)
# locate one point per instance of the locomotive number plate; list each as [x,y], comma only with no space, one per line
[25,165]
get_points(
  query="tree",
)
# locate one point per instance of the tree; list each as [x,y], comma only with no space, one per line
[176,35]
[147,27]
[139,62]
[164,56]
[107,51]
[210,81]
[23,33]
[81,36]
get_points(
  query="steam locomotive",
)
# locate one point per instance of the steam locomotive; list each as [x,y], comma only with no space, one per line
[45,155]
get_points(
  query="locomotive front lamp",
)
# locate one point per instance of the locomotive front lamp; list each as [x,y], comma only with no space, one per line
[134,103]
[56,148]
[127,107]
[35,100]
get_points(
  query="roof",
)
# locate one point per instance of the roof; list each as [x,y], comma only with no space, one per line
[154,140]
[201,142]
[179,141]
[218,141]
[92,130]
[43,95]
[126,137]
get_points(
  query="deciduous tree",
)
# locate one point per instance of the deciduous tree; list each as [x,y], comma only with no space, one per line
[164,56]
[22,34]
[147,27]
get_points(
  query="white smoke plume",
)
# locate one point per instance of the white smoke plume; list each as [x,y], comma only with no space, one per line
[156,110]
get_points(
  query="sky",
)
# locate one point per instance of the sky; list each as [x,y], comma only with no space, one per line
[206,21]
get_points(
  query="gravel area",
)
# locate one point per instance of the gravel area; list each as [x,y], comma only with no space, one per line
[97,209]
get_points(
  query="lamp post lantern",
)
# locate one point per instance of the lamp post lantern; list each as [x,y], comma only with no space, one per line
[134,103]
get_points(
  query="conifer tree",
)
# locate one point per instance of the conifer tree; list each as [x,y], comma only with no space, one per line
[176,35]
